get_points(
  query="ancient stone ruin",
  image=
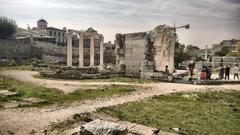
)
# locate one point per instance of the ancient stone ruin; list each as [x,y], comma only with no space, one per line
[90,48]
[145,54]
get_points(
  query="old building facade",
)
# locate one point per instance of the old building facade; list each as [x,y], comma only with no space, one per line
[232,45]
[43,29]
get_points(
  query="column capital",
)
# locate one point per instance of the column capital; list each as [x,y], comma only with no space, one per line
[102,37]
[69,32]
[81,34]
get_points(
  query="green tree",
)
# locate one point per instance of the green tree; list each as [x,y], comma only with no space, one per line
[223,52]
[192,51]
[7,27]
[198,58]
[180,55]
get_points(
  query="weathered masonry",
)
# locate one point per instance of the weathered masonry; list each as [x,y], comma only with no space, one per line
[145,54]
[90,47]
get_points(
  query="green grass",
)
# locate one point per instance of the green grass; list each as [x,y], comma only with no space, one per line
[21,67]
[27,90]
[215,113]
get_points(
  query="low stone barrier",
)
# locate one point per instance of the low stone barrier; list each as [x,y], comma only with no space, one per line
[63,72]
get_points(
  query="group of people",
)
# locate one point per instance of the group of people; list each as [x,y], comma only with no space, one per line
[224,72]
[206,72]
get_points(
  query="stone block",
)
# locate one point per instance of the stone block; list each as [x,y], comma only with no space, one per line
[100,127]
[35,100]
[7,93]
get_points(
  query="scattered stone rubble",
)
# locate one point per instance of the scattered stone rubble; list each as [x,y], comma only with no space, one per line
[12,103]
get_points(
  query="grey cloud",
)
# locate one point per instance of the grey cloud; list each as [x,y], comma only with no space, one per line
[129,15]
[233,1]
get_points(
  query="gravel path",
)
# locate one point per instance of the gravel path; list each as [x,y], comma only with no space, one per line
[23,120]
[67,86]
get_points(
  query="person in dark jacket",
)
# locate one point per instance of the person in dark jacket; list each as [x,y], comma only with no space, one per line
[209,72]
[221,72]
[227,72]
[166,70]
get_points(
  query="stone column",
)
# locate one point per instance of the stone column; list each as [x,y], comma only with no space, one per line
[81,51]
[92,50]
[31,39]
[69,48]
[206,52]
[101,51]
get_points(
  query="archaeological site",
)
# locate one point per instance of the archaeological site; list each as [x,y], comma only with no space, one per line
[119,67]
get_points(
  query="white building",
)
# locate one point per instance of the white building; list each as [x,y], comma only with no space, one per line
[44,30]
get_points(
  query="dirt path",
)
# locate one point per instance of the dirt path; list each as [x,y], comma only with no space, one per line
[23,120]
[67,86]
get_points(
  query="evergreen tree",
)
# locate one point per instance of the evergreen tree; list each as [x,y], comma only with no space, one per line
[7,27]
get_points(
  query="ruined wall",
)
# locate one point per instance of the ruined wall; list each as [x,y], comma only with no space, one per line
[15,49]
[164,43]
[109,53]
[49,52]
[133,50]
[146,53]
[22,49]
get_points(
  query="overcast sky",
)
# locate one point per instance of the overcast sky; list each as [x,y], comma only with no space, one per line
[211,20]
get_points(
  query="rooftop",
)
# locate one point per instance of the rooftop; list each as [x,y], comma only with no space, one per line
[42,20]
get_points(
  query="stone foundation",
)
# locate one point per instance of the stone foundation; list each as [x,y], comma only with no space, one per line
[76,73]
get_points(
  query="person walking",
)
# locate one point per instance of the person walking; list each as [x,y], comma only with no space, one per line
[191,67]
[227,72]
[235,72]
[221,72]
[209,72]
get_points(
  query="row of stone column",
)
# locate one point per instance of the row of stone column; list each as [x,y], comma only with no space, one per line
[81,49]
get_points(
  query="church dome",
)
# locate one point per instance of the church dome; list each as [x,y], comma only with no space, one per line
[42,24]
[42,20]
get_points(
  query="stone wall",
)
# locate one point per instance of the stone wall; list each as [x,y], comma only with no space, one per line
[22,49]
[141,52]
[15,49]
[49,52]
[109,54]
[164,44]
[134,53]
